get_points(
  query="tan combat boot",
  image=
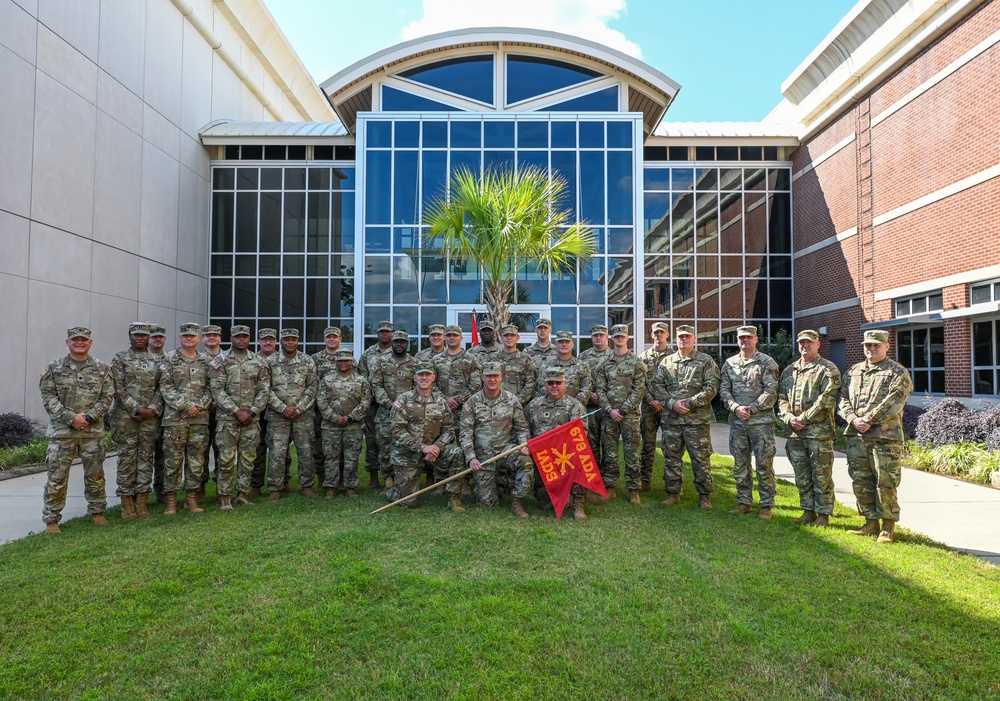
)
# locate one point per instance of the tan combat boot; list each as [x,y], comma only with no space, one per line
[806,517]
[242,499]
[870,528]
[200,494]
[128,508]
[275,495]
[308,493]
[705,502]
[578,513]
[351,493]
[171,509]
[633,497]
[742,509]
[140,504]
[822,521]
[254,493]
[517,508]
[225,504]
[672,499]
[765,513]
[888,534]
[99,520]
[455,504]
[52,528]
[331,493]
[191,503]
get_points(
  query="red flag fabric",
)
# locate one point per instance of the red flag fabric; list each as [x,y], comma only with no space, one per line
[564,458]
[475,329]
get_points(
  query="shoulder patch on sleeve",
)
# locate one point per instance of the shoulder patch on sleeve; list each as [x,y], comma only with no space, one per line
[398,404]
[215,363]
[164,367]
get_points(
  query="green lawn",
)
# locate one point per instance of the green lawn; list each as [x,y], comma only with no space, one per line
[316,599]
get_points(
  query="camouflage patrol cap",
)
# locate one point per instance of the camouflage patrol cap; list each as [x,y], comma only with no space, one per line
[424,368]
[564,335]
[876,336]
[619,330]
[547,323]
[435,328]
[487,324]
[685,330]
[492,369]
[384,326]
[808,335]
[189,329]
[239,330]
[157,330]
[266,333]
[289,333]
[81,331]
[139,328]
[746,331]
[400,336]
[211,328]
[343,355]
[508,330]
[331,331]
[660,326]
[453,329]
[598,328]
[555,373]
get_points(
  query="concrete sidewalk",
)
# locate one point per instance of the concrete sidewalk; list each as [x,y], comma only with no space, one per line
[961,515]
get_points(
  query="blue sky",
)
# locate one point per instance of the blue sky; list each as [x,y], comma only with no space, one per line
[730,56]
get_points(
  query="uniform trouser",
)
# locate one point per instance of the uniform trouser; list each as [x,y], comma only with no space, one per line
[159,461]
[280,435]
[511,473]
[58,458]
[698,441]
[756,440]
[812,461]
[237,446]
[595,423]
[341,446]
[319,450]
[136,442]
[184,456]
[875,469]
[210,447]
[371,438]
[384,438]
[628,431]
[258,478]
[408,466]
[649,424]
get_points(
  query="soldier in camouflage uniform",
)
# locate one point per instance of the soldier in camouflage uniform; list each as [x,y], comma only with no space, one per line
[542,350]
[546,413]
[492,422]
[685,383]
[157,341]
[135,420]
[621,385]
[807,397]
[241,383]
[749,389]
[872,399]
[343,400]
[211,339]
[593,357]
[187,398]
[267,345]
[77,391]
[326,362]
[435,334]
[391,376]
[294,383]
[423,436]
[519,370]
[579,382]
[369,358]
[652,410]
[457,371]
[488,351]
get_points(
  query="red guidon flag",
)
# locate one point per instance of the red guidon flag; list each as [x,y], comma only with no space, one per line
[564,458]
[475,330]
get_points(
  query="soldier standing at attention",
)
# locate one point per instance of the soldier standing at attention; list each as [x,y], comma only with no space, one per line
[488,351]
[579,382]
[542,350]
[519,370]
[423,435]
[77,391]
[685,384]
[157,342]
[621,385]
[294,384]
[593,357]
[211,339]
[267,344]
[749,389]
[187,398]
[391,376]
[872,399]
[435,334]
[343,399]
[368,359]
[135,420]
[492,422]
[240,383]
[458,374]
[652,410]
[549,412]
[326,362]
[807,397]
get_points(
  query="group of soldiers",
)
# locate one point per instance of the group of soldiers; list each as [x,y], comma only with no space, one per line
[447,410]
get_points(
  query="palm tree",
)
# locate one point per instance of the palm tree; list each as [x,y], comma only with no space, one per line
[504,219]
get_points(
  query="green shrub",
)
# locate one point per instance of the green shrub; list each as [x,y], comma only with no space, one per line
[967,461]
[16,430]
[33,452]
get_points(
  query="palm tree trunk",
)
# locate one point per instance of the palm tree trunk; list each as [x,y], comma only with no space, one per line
[497,296]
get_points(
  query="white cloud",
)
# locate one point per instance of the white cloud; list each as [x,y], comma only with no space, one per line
[583,18]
